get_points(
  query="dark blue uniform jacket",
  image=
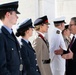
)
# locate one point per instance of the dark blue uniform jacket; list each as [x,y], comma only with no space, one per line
[29,58]
[9,54]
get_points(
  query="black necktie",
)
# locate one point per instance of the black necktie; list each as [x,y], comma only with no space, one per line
[29,44]
[13,35]
[72,42]
[15,39]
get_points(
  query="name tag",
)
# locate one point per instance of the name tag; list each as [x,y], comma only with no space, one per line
[21,67]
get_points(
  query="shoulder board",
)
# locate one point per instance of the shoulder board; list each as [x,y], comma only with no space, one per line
[57,32]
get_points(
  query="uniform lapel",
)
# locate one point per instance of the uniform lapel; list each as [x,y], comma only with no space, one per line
[45,40]
[47,43]
[74,43]
[25,43]
[4,30]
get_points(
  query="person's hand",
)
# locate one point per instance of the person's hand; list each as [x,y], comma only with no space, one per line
[68,55]
[59,51]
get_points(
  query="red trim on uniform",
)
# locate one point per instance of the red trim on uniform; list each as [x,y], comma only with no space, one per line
[41,36]
[46,21]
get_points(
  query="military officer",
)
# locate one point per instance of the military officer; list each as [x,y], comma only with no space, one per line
[41,45]
[66,35]
[28,53]
[56,42]
[10,56]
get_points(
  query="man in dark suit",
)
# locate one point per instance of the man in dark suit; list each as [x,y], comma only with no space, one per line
[28,53]
[10,57]
[70,54]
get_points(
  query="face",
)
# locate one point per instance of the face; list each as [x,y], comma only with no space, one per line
[62,26]
[67,31]
[72,27]
[44,28]
[13,17]
[30,31]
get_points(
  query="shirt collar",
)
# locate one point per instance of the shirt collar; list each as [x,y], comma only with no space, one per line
[75,35]
[41,34]
[9,30]
[25,40]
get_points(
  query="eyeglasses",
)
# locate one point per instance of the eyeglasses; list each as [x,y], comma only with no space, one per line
[72,25]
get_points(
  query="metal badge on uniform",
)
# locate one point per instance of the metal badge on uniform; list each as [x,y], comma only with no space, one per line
[58,32]
[21,67]
[12,49]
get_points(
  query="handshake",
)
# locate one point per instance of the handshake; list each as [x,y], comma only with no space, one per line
[64,54]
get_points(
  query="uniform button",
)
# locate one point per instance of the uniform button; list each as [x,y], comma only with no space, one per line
[35,53]
[36,64]
[36,69]
[19,51]
[12,49]
[36,59]
[20,58]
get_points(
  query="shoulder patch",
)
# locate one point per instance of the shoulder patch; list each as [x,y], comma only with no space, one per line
[57,32]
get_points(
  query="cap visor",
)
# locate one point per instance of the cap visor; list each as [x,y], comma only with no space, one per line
[31,27]
[65,22]
[48,23]
[17,12]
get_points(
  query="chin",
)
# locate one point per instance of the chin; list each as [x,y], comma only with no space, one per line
[14,23]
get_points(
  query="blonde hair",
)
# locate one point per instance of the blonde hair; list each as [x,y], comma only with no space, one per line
[37,28]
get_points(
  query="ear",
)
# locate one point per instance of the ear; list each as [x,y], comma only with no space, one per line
[61,24]
[41,26]
[7,14]
[27,31]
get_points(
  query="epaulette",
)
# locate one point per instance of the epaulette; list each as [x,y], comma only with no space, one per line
[58,32]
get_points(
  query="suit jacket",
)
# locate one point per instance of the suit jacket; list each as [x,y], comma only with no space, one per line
[71,63]
[29,59]
[42,52]
[9,55]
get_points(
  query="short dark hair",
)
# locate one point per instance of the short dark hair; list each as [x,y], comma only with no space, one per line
[2,13]
[57,24]
[74,19]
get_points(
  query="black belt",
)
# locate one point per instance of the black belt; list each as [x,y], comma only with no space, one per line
[46,61]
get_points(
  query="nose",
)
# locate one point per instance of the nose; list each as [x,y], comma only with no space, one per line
[17,17]
[48,26]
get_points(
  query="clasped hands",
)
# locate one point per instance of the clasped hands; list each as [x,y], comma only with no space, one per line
[65,56]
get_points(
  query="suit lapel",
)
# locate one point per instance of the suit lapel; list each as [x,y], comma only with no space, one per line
[74,43]
[4,30]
